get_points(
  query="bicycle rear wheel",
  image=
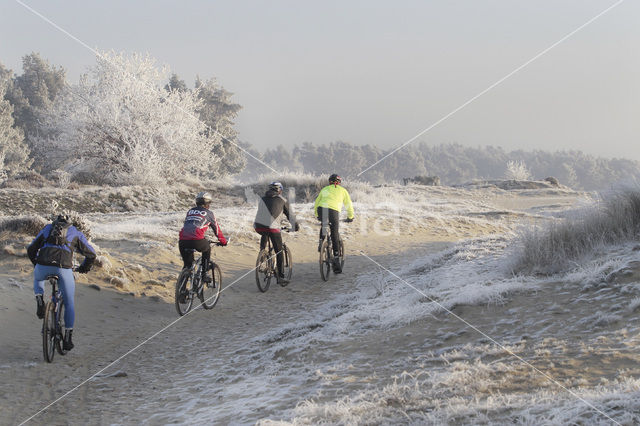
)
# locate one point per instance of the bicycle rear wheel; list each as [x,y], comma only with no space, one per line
[325,260]
[59,324]
[211,291]
[342,256]
[183,299]
[264,270]
[287,265]
[49,332]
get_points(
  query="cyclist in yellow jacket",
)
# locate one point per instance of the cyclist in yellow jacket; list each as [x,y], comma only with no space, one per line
[327,209]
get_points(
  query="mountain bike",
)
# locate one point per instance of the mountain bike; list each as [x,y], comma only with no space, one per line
[53,323]
[327,259]
[190,284]
[266,265]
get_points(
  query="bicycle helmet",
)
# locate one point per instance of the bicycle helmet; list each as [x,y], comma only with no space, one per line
[335,179]
[276,186]
[62,218]
[203,198]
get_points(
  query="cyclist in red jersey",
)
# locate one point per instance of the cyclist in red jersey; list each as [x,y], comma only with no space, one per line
[192,234]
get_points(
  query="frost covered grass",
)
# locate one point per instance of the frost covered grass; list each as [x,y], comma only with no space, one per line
[469,273]
[454,396]
[614,219]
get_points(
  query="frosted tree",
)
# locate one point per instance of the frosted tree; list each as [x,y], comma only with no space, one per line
[14,154]
[120,126]
[218,113]
[176,83]
[517,170]
[34,91]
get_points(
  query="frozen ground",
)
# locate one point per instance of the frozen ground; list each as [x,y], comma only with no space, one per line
[368,347]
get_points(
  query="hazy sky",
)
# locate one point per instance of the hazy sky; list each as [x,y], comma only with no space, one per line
[375,72]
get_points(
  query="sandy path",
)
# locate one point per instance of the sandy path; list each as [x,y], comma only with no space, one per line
[109,323]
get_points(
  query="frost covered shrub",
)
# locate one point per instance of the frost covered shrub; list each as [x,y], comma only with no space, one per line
[76,220]
[25,180]
[28,225]
[615,219]
[517,170]
[119,126]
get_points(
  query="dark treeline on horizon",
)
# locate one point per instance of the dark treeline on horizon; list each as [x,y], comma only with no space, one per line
[453,163]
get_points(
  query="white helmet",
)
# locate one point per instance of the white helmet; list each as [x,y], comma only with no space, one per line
[203,198]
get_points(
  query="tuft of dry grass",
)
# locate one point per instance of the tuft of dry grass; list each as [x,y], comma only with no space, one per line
[614,219]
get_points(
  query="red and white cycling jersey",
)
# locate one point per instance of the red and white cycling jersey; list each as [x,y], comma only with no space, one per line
[197,222]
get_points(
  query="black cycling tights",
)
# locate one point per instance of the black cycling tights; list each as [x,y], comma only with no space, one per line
[186,251]
[332,218]
[276,242]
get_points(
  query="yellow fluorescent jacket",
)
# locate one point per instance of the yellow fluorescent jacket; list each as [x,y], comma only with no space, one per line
[333,197]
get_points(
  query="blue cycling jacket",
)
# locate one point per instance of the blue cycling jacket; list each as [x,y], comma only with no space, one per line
[43,253]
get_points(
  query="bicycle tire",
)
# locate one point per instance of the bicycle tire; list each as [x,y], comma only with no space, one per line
[182,290]
[342,255]
[325,260]
[210,292]
[264,271]
[60,329]
[48,333]
[287,265]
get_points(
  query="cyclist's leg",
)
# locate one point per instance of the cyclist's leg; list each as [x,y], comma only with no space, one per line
[334,223]
[263,240]
[39,274]
[206,259]
[323,214]
[38,289]
[276,240]
[186,253]
[67,285]
[203,247]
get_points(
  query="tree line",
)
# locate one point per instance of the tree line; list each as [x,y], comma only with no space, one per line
[130,121]
[453,163]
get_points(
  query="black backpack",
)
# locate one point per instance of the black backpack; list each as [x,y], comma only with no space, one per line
[58,234]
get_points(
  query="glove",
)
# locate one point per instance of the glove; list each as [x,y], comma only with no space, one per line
[296,227]
[82,269]
[349,220]
[222,241]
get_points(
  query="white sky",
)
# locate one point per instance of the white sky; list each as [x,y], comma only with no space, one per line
[375,72]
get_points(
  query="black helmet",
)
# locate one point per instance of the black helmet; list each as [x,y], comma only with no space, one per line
[62,218]
[276,186]
[203,198]
[334,178]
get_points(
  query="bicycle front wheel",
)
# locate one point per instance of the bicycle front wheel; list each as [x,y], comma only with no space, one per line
[287,265]
[59,324]
[183,298]
[49,332]
[325,260]
[211,291]
[264,270]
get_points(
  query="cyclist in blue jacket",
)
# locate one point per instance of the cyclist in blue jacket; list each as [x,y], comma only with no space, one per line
[52,253]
